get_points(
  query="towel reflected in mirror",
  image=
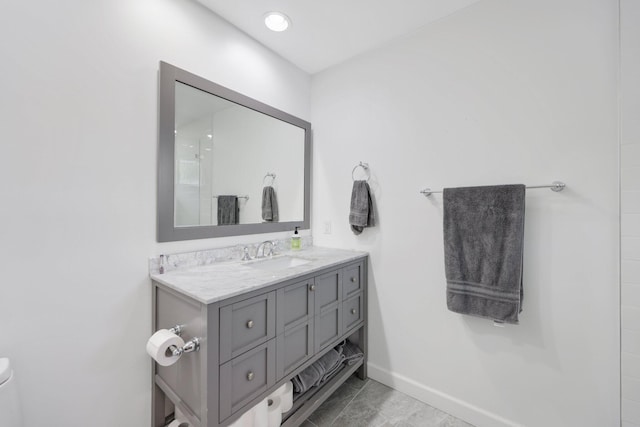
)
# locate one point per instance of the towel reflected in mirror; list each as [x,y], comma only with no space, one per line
[269,204]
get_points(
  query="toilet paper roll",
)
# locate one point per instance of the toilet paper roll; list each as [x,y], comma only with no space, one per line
[261,414]
[177,414]
[285,393]
[158,347]
[274,412]
[286,397]
[245,420]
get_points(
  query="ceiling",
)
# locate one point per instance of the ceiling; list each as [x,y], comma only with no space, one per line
[325,33]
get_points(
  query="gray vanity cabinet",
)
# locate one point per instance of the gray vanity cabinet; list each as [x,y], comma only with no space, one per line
[252,343]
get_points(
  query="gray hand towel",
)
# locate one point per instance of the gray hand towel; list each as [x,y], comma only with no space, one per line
[361,214]
[483,249]
[228,210]
[269,204]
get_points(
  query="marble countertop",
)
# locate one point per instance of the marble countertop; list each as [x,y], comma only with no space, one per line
[220,280]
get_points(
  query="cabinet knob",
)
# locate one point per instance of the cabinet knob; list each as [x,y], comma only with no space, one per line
[250,324]
[353,311]
[250,376]
[353,279]
[312,288]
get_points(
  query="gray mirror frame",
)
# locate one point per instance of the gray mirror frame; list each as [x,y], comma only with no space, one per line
[167,231]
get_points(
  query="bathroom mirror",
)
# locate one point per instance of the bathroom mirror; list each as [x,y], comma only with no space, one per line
[227,164]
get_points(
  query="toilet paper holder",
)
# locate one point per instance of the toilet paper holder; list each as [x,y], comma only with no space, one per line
[190,346]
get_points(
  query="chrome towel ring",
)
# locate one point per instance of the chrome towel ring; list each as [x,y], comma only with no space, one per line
[365,168]
[269,175]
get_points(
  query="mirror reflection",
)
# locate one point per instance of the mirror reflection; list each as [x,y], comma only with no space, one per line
[228,164]
[234,165]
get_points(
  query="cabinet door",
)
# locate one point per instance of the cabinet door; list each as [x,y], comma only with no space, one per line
[294,326]
[328,291]
[246,324]
[295,305]
[328,327]
[246,377]
[352,280]
[294,347]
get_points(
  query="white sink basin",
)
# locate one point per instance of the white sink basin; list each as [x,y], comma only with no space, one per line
[279,263]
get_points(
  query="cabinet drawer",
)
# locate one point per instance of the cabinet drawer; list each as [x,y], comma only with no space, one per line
[328,291]
[352,280]
[246,377]
[246,324]
[352,312]
[294,347]
[295,305]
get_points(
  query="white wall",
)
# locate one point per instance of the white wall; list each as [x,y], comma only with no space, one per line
[630,209]
[78,173]
[501,92]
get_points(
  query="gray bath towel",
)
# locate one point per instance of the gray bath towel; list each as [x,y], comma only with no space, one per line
[269,204]
[361,214]
[306,379]
[331,370]
[228,210]
[333,373]
[314,374]
[483,250]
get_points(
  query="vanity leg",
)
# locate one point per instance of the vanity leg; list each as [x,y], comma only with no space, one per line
[363,333]
[362,372]
[157,395]
[362,338]
[157,405]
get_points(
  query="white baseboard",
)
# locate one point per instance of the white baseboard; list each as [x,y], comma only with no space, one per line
[456,407]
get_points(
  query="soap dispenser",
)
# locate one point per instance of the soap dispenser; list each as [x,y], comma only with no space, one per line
[295,240]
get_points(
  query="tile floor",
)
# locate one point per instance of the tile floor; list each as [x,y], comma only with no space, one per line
[368,403]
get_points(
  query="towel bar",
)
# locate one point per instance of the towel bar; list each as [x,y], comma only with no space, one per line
[239,197]
[554,186]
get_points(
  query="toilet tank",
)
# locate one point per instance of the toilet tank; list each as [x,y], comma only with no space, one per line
[10,415]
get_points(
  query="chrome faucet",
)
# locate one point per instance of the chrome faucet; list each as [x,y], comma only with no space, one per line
[263,245]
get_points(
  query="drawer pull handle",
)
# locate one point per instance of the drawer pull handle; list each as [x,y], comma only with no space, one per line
[250,376]
[312,288]
[353,311]
[353,279]
[250,324]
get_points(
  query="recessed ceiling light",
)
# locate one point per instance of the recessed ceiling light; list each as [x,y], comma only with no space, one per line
[276,21]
